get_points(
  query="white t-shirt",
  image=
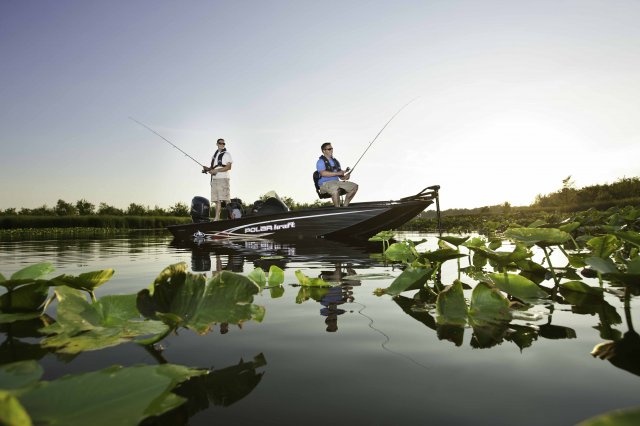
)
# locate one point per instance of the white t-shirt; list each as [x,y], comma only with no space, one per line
[226,159]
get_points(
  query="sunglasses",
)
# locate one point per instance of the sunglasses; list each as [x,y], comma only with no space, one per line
[328,149]
[220,143]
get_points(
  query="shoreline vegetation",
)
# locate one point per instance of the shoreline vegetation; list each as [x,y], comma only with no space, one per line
[84,219]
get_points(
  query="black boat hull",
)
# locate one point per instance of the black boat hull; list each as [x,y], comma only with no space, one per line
[357,221]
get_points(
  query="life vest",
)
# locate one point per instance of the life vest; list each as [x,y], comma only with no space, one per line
[219,155]
[328,167]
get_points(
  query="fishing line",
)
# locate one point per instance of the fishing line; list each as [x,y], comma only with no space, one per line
[387,338]
[381,130]
[166,140]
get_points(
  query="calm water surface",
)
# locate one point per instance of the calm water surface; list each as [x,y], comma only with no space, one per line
[352,357]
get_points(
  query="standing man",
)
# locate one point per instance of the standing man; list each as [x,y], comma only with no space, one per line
[333,178]
[219,171]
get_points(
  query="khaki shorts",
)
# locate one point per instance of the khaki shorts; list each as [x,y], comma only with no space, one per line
[333,186]
[220,190]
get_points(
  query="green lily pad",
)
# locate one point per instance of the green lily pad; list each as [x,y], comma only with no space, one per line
[19,375]
[604,266]
[540,236]
[33,272]
[604,246]
[88,281]
[83,326]
[451,306]
[258,276]
[115,395]
[580,287]
[627,417]
[442,255]
[456,241]
[488,305]
[400,252]
[276,276]
[629,236]
[183,300]
[410,279]
[306,281]
[517,286]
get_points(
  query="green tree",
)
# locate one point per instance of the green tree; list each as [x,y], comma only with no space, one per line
[136,210]
[85,208]
[63,208]
[105,209]
[179,209]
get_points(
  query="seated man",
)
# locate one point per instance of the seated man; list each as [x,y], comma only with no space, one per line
[332,178]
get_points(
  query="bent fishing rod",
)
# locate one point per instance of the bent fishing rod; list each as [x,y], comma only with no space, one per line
[349,171]
[169,142]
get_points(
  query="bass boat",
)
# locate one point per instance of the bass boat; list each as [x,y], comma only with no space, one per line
[272,219]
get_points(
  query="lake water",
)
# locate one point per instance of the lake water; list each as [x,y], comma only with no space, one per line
[351,357]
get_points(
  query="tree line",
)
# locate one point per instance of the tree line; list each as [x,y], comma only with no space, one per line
[85,208]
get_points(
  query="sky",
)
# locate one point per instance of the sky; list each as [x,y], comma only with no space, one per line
[509,97]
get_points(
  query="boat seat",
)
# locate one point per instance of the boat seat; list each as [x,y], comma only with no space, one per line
[316,177]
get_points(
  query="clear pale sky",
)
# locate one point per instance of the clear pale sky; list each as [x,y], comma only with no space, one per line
[513,96]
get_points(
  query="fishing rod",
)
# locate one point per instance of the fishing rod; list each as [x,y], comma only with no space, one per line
[349,171]
[169,142]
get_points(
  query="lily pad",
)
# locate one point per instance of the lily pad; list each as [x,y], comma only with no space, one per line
[451,306]
[183,300]
[88,281]
[306,281]
[276,276]
[456,241]
[83,326]
[604,246]
[122,395]
[488,305]
[540,236]
[517,286]
[580,287]
[400,252]
[410,279]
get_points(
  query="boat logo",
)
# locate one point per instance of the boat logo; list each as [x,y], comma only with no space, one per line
[269,228]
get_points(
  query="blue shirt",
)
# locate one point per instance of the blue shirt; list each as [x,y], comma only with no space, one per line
[320,166]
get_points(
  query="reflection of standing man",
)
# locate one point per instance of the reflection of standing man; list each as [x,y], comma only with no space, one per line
[220,185]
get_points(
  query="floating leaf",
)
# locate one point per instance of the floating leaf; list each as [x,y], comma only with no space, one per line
[456,241]
[540,236]
[627,417]
[603,246]
[33,272]
[410,279]
[442,255]
[88,281]
[306,281]
[12,413]
[601,265]
[569,227]
[517,286]
[400,252]
[451,306]
[128,394]
[580,287]
[227,297]
[488,304]
[276,276]
[27,299]
[372,276]
[83,326]
[629,236]
[19,375]
[258,276]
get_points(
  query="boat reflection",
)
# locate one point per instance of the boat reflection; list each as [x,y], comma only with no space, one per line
[342,258]
[233,255]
